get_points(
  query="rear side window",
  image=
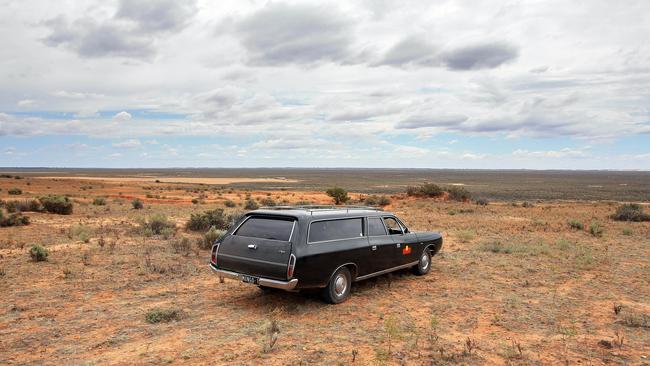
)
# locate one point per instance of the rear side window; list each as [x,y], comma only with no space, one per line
[335,229]
[266,228]
[376,227]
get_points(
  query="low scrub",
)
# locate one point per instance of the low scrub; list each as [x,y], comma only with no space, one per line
[216,218]
[211,237]
[157,224]
[268,202]
[14,219]
[251,204]
[182,246]
[99,201]
[576,225]
[137,204]
[15,191]
[425,190]
[229,203]
[163,315]
[595,229]
[80,232]
[375,200]
[38,253]
[459,193]
[482,202]
[531,248]
[630,212]
[338,194]
[57,204]
[28,205]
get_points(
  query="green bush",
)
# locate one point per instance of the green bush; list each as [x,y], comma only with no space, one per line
[575,224]
[374,200]
[229,203]
[57,204]
[99,201]
[15,191]
[203,221]
[157,224]
[459,193]
[268,202]
[630,212]
[339,195]
[595,229]
[38,253]
[210,237]
[14,219]
[163,315]
[137,204]
[251,204]
[425,190]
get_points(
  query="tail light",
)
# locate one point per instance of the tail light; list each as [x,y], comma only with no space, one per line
[291,266]
[215,248]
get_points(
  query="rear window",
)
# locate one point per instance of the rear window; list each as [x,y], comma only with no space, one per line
[266,228]
[335,229]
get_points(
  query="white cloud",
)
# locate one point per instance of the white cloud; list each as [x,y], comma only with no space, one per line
[128,144]
[122,116]
[25,103]
[555,154]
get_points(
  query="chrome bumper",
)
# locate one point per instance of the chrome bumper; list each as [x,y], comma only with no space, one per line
[266,282]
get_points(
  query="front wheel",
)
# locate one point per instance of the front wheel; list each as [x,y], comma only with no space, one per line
[338,289]
[424,264]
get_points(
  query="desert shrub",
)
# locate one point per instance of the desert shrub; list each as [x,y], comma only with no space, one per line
[157,224]
[210,237]
[495,247]
[182,245]
[163,315]
[627,231]
[303,203]
[458,193]
[229,203]
[338,194]
[425,190]
[203,221]
[527,204]
[482,202]
[630,212]
[575,224]
[137,204]
[99,201]
[251,204]
[195,201]
[168,232]
[38,253]
[14,219]
[30,205]
[465,235]
[80,232]
[269,202]
[57,204]
[375,200]
[15,191]
[595,229]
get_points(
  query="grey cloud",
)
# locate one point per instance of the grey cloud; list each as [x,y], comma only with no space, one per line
[302,34]
[157,15]
[411,51]
[414,122]
[482,56]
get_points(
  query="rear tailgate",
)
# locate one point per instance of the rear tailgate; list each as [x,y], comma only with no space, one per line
[260,247]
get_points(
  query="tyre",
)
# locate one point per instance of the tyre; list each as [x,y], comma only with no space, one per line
[338,289]
[424,264]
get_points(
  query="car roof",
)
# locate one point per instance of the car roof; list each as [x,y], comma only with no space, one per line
[319,212]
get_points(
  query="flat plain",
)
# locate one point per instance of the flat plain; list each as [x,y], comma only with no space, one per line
[515,283]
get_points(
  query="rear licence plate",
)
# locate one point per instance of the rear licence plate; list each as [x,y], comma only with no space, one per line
[250,279]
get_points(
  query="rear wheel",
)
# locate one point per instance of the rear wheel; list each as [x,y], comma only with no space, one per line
[338,289]
[424,264]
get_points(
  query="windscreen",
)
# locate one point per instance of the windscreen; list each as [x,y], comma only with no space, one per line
[266,228]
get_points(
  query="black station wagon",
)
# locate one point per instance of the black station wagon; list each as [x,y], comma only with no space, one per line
[328,247]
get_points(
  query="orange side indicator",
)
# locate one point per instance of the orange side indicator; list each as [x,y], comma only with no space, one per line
[406,250]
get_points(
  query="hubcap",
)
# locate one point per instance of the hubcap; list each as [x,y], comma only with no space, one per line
[424,261]
[340,285]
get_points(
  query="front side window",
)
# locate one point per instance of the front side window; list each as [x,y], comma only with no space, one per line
[335,229]
[375,227]
[266,228]
[393,226]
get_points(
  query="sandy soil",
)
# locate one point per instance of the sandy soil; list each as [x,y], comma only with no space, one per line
[512,286]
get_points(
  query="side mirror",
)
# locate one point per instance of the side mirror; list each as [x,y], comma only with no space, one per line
[406,230]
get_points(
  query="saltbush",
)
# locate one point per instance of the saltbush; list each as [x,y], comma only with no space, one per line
[425,190]
[374,200]
[38,253]
[137,204]
[203,221]
[575,224]
[459,193]
[210,237]
[630,212]
[158,224]
[251,204]
[15,191]
[229,203]
[99,201]
[57,204]
[338,194]
[14,219]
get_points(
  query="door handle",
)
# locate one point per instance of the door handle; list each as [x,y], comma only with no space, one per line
[399,245]
[374,247]
[252,246]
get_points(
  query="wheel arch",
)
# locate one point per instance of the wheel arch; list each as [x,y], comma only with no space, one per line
[352,267]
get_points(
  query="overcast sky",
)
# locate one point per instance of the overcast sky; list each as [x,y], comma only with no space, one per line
[438,84]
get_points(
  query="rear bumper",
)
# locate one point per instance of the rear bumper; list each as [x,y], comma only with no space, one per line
[266,282]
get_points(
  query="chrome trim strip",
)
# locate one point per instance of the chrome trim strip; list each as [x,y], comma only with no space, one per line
[283,285]
[386,271]
[254,260]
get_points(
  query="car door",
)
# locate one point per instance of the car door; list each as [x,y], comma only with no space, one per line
[381,246]
[405,243]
